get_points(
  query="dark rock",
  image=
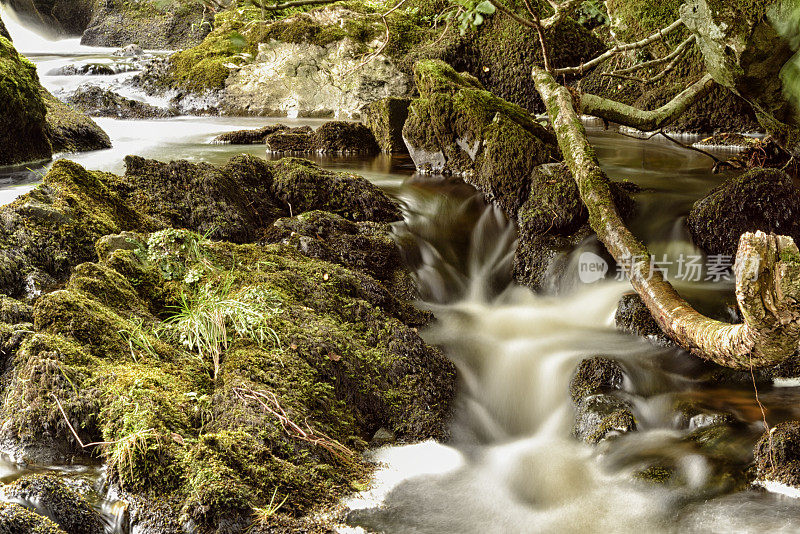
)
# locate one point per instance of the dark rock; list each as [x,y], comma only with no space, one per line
[149,24]
[633,317]
[382,437]
[602,416]
[94,69]
[294,143]
[55,17]
[340,137]
[16,519]
[250,137]
[100,102]
[385,118]
[596,375]
[53,499]
[777,454]
[4,30]
[761,199]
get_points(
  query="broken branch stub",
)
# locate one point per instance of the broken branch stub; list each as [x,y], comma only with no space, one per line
[767,266]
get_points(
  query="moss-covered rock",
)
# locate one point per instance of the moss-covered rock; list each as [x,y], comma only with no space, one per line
[70,130]
[761,199]
[53,499]
[151,24]
[16,519]
[595,375]
[777,454]
[54,228]
[291,143]
[24,138]
[633,317]
[340,137]
[250,137]
[456,127]
[338,355]
[99,102]
[602,416]
[385,119]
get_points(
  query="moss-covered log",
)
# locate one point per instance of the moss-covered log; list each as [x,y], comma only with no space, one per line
[767,266]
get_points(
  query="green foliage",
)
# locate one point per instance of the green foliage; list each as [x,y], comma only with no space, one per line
[592,13]
[469,14]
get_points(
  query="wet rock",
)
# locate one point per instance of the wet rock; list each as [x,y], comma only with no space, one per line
[70,130]
[293,143]
[132,50]
[596,375]
[777,455]
[94,69]
[761,199]
[340,137]
[382,437]
[23,108]
[693,415]
[250,137]
[600,417]
[633,317]
[56,18]
[385,119]
[458,128]
[149,24]
[16,519]
[53,499]
[100,102]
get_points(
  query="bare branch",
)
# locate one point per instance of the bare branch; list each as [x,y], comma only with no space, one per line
[292,3]
[602,58]
[673,58]
[646,121]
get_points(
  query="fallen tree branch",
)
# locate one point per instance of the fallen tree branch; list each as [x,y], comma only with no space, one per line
[674,58]
[626,47]
[560,11]
[647,121]
[767,266]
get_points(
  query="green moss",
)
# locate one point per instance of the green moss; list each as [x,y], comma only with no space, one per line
[24,137]
[20,520]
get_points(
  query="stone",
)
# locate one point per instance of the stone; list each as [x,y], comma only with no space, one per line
[341,137]
[16,519]
[99,102]
[292,143]
[777,455]
[633,317]
[760,199]
[596,375]
[385,118]
[602,416]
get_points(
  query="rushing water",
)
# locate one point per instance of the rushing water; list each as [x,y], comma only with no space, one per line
[511,465]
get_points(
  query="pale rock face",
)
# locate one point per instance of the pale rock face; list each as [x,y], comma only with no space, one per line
[306,80]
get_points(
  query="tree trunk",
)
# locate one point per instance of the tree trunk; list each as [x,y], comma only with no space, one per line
[767,266]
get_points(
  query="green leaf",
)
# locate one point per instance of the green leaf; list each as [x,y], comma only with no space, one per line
[485,7]
[478,19]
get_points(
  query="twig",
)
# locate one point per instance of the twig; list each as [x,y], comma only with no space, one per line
[293,3]
[290,427]
[763,414]
[380,50]
[653,62]
[717,161]
[660,34]
[94,443]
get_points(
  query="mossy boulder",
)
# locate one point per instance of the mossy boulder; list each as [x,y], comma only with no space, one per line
[633,317]
[16,519]
[250,137]
[152,24]
[71,130]
[761,199]
[24,138]
[100,102]
[600,417]
[777,455]
[385,119]
[49,231]
[341,137]
[53,499]
[286,142]
[339,355]
[458,128]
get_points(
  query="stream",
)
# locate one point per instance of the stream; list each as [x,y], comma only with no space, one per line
[511,464]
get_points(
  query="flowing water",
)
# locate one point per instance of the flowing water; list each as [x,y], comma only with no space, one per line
[511,465]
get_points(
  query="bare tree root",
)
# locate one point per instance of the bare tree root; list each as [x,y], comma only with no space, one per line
[767,266]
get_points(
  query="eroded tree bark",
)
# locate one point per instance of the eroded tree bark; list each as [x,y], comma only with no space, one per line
[767,266]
